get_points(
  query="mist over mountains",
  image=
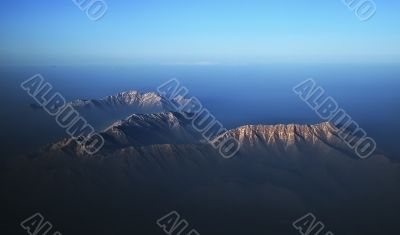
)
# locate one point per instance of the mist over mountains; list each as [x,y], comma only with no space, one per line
[199,117]
[153,163]
[101,112]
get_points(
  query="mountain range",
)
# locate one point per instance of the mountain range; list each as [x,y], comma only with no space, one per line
[154,162]
[102,112]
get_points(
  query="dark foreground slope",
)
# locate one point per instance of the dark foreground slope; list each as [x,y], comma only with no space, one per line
[152,164]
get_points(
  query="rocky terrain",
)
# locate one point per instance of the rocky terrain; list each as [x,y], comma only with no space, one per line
[154,163]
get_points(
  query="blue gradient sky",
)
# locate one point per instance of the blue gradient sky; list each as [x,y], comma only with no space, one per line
[197,32]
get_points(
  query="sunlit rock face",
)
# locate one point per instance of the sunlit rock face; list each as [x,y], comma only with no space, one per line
[281,172]
[150,102]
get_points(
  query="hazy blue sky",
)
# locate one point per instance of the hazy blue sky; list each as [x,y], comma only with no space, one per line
[206,31]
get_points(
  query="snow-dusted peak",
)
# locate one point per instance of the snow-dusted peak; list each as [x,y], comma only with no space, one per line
[127,97]
[140,102]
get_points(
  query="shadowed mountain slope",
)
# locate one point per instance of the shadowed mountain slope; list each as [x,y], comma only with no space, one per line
[155,163]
